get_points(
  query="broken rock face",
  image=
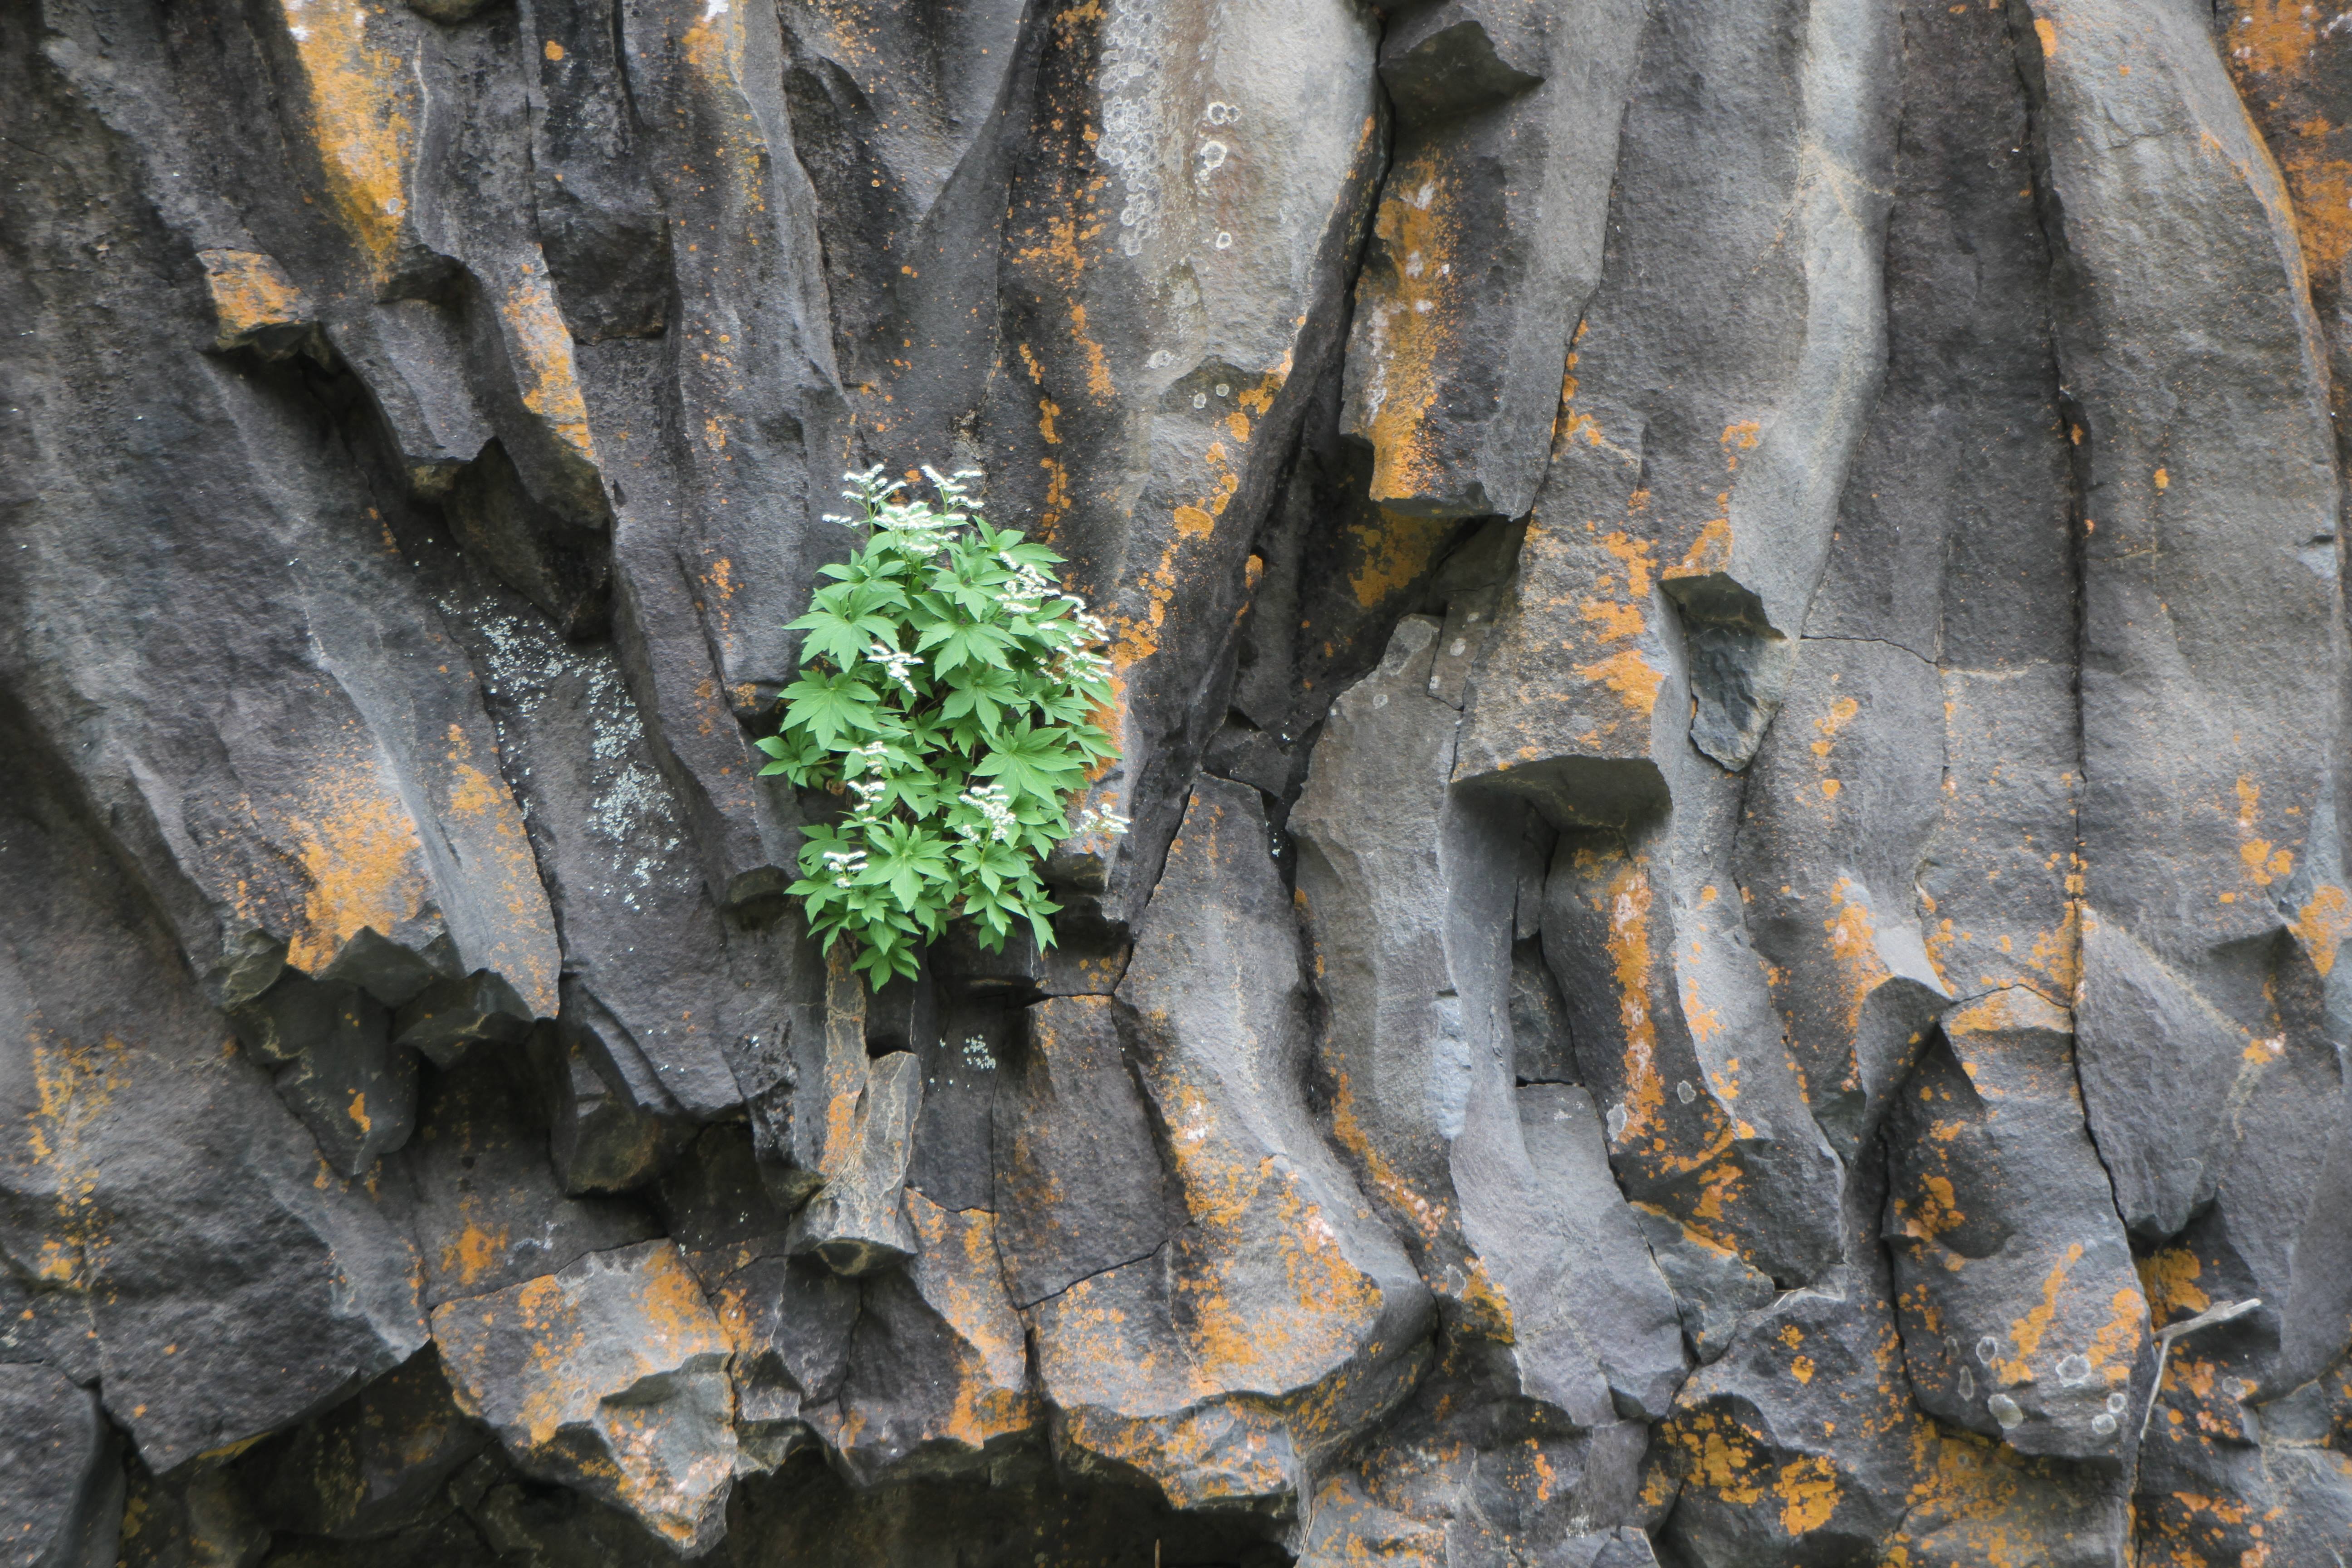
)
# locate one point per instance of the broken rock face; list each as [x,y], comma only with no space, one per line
[1280,1319]
[611,1375]
[1731,674]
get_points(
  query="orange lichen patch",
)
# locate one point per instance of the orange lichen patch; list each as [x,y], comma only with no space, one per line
[1741,435]
[1613,620]
[1705,1024]
[251,292]
[1099,381]
[2168,1278]
[1853,949]
[2250,801]
[1136,637]
[1637,556]
[1427,1215]
[1392,553]
[1842,713]
[539,346]
[2264,864]
[1934,1212]
[1057,496]
[1192,530]
[1413,328]
[2117,1343]
[1980,1502]
[1060,255]
[361,100]
[2321,924]
[847,1065]
[363,865]
[487,826]
[957,1275]
[2321,190]
[714,45]
[1723,1458]
[1629,675]
[524,1360]
[1709,554]
[1163,1366]
[2010,1008]
[2026,1332]
[2047,32]
[1718,1456]
[1807,1486]
[74,1085]
[1627,905]
[474,1251]
[2058,954]
[1568,422]
[2270,36]
[1939,942]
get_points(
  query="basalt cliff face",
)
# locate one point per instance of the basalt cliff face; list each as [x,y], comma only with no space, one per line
[1732,678]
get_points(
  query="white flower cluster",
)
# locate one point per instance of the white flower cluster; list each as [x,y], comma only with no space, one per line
[1028,591]
[916,529]
[845,864]
[875,759]
[1080,635]
[896,662]
[990,801]
[1084,664]
[1101,819]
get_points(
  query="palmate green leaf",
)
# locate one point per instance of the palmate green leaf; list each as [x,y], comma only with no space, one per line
[1032,761]
[982,693]
[956,641]
[838,635]
[797,757]
[829,706]
[991,864]
[906,859]
[1066,707]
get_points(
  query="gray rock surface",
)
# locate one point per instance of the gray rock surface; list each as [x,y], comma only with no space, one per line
[1731,673]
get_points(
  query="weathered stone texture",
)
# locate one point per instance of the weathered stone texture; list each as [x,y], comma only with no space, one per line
[1732,678]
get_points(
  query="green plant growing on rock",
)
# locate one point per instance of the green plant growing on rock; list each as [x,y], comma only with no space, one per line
[948,687]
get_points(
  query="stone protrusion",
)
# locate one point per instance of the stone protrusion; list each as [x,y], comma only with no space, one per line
[789,1320]
[447,1016]
[352,1086]
[1080,1183]
[2021,1317]
[1840,802]
[1503,1193]
[1281,1319]
[1487,243]
[61,1468]
[377,1463]
[609,1375]
[856,1222]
